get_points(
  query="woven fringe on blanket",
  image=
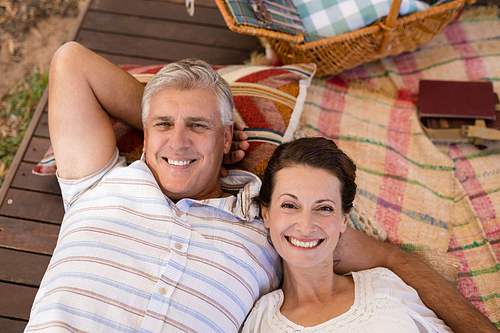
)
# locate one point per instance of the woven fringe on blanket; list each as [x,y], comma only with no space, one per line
[440,202]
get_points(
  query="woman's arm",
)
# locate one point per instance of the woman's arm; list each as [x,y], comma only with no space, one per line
[357,251]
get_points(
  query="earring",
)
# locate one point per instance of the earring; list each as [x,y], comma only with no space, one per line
[143,156]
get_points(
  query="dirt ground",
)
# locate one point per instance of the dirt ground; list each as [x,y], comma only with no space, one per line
[30,33]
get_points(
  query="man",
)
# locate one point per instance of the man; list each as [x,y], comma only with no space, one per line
[165,244]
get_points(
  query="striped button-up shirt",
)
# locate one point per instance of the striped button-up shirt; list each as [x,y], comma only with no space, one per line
[128,259]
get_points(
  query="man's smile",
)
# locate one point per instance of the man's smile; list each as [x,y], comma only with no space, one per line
[177,162]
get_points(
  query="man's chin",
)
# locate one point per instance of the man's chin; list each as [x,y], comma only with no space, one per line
[195,193]
[177,193]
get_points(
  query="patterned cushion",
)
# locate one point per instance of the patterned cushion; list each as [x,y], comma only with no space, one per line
[332,18]
[268,100]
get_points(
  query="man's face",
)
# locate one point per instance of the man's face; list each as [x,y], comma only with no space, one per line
[185,141]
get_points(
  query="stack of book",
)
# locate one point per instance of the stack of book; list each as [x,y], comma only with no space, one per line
[457,111]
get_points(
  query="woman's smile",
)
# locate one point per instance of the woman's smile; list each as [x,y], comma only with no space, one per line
[304,244]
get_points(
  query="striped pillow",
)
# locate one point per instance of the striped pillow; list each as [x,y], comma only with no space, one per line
[268,101]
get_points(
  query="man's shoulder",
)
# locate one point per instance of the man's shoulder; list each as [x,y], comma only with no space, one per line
[115,173]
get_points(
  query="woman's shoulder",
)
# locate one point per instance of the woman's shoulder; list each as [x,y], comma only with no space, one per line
[396,300]
[382,283]
[272,299]
[378,272]
[264,308]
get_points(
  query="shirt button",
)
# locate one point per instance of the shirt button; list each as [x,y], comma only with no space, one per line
[179,214]
[178,246]
[162,291]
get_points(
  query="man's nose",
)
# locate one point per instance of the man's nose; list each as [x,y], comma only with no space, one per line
[179,138]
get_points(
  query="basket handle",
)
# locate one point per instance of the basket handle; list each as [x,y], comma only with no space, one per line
[390,24]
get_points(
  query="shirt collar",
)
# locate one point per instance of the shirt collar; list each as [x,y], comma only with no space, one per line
[243,185]
[247,186]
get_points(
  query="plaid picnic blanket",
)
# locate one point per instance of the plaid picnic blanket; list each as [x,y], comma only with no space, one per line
[435,198]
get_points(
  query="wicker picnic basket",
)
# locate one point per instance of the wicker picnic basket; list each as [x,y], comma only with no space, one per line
[388,36]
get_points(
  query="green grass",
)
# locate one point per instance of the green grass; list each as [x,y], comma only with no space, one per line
[16,110]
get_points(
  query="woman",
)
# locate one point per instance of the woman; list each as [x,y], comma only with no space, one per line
[307,193]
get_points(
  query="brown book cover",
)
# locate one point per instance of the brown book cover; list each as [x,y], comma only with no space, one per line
[456,99]
[443,123]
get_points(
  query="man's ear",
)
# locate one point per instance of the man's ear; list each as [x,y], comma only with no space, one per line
[228,138]
[145,132]
[265,216]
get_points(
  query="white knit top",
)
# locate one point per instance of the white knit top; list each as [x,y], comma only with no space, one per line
[383,303]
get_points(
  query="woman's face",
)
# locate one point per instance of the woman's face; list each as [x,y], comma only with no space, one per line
[305,216]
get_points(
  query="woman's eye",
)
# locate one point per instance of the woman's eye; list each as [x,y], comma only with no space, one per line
[326,209]
[288,205]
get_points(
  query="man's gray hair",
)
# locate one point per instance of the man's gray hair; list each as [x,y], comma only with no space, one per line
[190,74]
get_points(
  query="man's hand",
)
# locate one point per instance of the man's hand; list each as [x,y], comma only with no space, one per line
[357,251]
[238,148]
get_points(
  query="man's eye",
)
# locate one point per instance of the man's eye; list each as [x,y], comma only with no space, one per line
[198,127]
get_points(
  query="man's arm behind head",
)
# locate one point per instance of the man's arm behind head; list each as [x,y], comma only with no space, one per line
[84,90]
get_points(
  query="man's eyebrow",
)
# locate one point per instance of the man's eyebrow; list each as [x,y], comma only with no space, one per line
[160,118]
[199,119]
[203,120]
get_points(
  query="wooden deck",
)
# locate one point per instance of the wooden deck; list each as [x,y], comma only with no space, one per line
[125,32]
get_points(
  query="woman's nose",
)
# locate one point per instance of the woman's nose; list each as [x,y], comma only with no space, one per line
[305,223]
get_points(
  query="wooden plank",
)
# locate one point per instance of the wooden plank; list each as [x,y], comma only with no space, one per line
[79,19]
[159,50]
[23,146]
[125,60]
[34,206]
[28,236]
[25,179]
[168,10]
[201,3]
[16,300]
[12,326]
[36,149]
[22,267]
[208,36]
[42,128]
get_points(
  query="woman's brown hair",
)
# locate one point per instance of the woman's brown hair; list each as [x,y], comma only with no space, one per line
[314,152]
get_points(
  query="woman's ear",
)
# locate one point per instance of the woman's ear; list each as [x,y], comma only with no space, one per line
[265,216]
[343,227]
